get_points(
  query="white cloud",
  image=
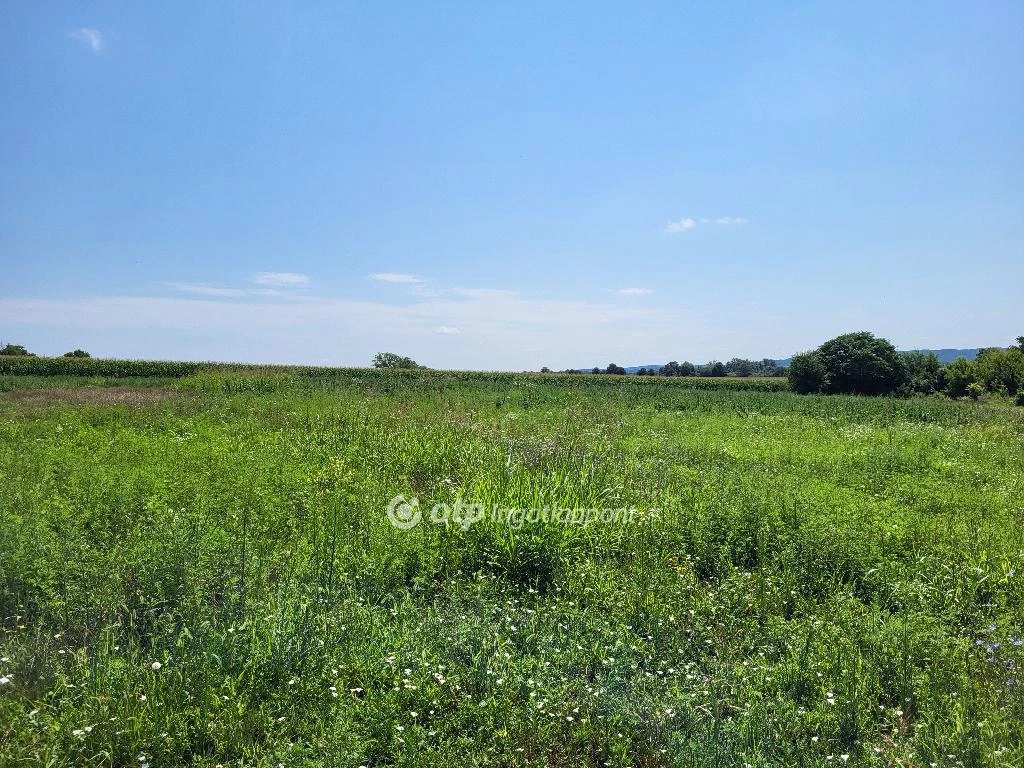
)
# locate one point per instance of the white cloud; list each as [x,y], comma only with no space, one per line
[636,291]
[688,223]
[91,36]
[395,277]
[447,330]
[675,227]
[280,279]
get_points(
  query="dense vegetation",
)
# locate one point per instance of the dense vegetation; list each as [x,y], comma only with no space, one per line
[198,570]
[861,364]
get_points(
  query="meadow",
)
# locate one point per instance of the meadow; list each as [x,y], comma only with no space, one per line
[196,568]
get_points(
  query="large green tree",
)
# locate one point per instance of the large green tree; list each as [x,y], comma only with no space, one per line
[854,364]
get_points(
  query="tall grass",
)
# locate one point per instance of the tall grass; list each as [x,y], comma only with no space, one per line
[211,579]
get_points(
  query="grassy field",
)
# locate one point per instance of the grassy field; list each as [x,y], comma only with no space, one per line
[199,570]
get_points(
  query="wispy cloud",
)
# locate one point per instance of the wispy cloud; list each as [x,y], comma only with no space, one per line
[687,223]
[447,330]
[486,294]
[280,279]
[91,36]
[636,291]
[207,290]
[272,284]
[395,277]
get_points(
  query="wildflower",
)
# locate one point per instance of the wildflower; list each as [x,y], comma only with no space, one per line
[155,666]
[5,680]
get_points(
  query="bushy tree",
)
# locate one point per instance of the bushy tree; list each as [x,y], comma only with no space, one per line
[391,360]
[925,374]
[618,370]
[738,366]
[1001,370]
[687,369]
[77,353]
[853,364]
[807,373]
[15,350]
[671,368]
[960,374]
[713,368]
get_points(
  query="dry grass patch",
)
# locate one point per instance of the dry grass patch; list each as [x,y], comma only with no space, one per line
[134,397]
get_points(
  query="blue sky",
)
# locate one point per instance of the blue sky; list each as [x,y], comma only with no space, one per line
[509,187]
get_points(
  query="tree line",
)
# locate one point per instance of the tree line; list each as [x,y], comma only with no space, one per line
[735,367]
[863,364]
[17,350]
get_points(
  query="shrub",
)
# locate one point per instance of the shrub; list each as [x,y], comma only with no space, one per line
[925,373]
[960,374]
[1001,370]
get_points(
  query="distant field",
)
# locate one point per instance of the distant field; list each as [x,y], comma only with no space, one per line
[197,568]
[332,377]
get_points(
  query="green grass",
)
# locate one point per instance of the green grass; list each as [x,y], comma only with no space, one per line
[806,577]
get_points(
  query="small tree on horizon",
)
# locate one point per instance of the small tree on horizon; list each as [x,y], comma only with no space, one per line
[77,353]
[15,350]
[392,360]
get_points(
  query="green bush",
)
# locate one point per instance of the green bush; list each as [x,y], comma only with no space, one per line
[960,374]
[925,373]
[1001,370]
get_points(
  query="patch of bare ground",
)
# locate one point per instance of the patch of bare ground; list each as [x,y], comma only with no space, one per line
[134,397]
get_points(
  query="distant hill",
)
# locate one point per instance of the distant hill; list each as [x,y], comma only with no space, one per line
[946,356]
